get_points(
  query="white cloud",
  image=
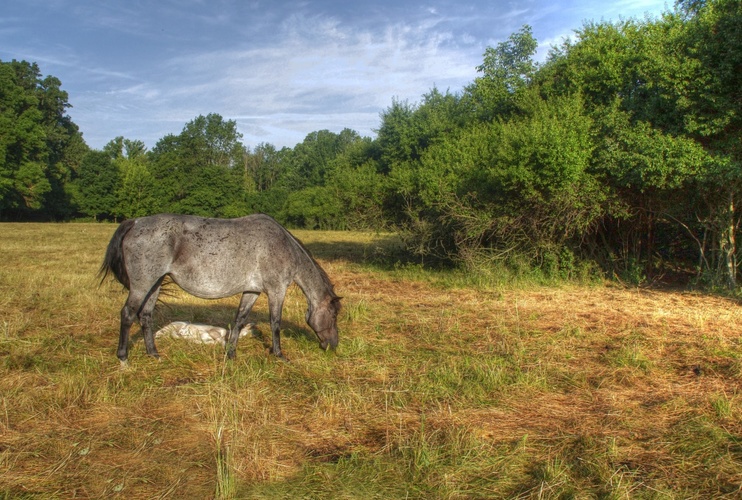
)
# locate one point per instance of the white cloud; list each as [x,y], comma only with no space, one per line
[320,73]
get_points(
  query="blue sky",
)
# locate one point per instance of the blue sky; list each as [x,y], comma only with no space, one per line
[143,69]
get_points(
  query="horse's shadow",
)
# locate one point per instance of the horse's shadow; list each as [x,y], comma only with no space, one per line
[223,316]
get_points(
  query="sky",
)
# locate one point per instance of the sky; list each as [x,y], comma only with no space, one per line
[143,69]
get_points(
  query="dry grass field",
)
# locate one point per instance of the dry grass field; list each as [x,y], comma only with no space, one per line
[438,389]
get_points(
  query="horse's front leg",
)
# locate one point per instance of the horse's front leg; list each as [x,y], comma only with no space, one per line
[246,302]
[275,304]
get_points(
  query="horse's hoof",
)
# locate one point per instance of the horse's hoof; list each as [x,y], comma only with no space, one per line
[124,364]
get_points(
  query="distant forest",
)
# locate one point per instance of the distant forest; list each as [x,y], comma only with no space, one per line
[622,150]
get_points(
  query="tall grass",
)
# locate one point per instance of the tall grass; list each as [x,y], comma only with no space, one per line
[443,386]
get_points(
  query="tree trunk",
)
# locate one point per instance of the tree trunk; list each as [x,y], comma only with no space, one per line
[728,244]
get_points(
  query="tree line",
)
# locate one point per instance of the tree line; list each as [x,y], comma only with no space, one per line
[622,149]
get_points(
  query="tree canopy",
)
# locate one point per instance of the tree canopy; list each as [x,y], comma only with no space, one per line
[40,146]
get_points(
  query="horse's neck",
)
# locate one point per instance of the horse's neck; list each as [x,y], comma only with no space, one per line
[310,280]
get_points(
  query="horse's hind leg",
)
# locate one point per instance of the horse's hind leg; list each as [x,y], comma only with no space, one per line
[246,302]
[128,316]
[145,319]
[138,306]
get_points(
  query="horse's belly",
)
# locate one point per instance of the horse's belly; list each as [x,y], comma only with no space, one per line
[210,285]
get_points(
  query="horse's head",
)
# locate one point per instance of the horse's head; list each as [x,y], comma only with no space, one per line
[323,320]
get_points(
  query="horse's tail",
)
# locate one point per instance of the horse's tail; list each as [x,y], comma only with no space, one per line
[113,262]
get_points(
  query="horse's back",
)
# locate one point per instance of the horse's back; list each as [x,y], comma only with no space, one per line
[209,257]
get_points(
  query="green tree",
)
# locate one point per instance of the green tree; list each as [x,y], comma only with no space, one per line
[263,168]
[136,192]
[40,147]
[314,180]
[356,182]
[308,165]
[313,207]
[510,185]
[406,133]
[665,98]
[97,183]
[22,148]
[712,106]
[627,73]
[136,196]
[407,130]
[507,70]
[201,170]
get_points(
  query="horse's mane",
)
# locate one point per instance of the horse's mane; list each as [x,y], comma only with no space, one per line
[322,272]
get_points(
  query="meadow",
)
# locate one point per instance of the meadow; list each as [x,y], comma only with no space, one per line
[443,386]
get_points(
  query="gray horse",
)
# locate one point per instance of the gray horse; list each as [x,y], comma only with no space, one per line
[215,258]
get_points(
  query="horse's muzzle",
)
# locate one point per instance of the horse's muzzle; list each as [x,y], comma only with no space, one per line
[331,343]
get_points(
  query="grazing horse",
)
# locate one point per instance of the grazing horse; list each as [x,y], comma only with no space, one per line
[212,259]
